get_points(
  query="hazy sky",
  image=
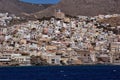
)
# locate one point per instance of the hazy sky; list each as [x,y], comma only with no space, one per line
[42,1]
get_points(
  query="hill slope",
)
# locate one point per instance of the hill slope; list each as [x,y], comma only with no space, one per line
[83,7]
[18,7]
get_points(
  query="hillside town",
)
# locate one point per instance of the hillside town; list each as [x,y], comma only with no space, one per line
[60,40]
[6,19]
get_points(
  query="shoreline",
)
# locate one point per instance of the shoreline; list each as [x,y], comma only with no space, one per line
[61,66]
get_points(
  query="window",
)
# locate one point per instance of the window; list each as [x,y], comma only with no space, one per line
[53,61]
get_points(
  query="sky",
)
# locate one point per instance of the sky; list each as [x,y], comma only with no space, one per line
[42,1]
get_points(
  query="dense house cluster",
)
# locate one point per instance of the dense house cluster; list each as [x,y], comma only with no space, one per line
[6,18]
[68,41]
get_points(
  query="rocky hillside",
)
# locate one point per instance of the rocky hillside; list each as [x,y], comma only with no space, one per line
[83,7]
[19,7]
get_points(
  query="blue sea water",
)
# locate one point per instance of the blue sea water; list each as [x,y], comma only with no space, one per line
[60,73]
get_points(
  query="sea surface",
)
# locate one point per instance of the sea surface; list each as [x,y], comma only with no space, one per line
[61,73]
